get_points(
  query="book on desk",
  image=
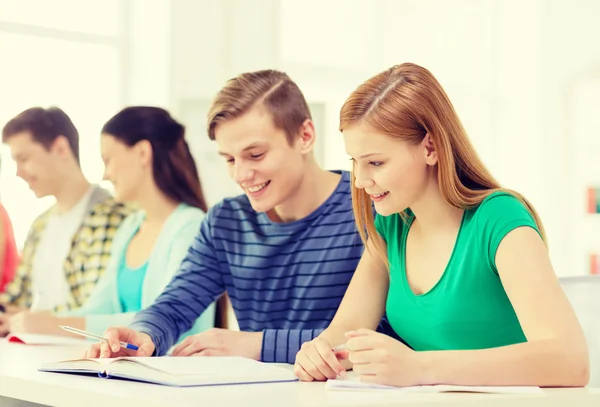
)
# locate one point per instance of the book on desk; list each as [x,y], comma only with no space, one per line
[177,371]
[37,339]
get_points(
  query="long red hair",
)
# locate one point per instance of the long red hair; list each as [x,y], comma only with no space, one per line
[407,102]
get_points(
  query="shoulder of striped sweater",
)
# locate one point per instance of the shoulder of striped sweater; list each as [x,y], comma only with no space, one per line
[232,204]
[347,180]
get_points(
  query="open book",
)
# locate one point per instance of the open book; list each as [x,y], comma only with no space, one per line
[35,339]
[177,371]
[353,383]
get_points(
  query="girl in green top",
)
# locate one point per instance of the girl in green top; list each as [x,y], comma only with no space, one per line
[457,263]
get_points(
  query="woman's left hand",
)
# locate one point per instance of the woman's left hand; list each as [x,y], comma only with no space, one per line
[381,359]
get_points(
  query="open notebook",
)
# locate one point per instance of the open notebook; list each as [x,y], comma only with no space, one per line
[35,339]
[177,371]
[352,383]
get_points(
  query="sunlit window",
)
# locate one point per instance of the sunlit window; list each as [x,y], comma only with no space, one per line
[80,76]
[90,17]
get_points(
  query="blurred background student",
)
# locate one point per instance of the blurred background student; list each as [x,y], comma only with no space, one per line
[68,245]
[9,257]
[149,163]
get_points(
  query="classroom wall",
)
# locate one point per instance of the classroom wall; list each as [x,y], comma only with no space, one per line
[511,67]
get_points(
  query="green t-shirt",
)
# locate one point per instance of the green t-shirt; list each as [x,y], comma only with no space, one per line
[468,307]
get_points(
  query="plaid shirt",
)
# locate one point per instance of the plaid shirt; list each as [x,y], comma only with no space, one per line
[87,259]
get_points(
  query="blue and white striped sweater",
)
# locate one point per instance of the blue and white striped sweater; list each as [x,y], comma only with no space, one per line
[285,279]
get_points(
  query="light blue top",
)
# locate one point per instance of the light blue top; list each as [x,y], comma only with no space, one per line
[103,309]
[129,284]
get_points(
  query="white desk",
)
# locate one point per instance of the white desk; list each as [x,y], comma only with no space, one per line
[19,379]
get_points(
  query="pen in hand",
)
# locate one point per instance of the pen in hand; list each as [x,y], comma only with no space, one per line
[339,348]
[91,335]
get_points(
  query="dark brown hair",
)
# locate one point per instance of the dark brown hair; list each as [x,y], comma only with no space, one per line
[173,166]
[272,89]
[45,126]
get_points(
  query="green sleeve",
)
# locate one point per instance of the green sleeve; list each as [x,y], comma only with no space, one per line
[498,215]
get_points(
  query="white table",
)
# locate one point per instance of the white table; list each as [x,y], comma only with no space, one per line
[19,379]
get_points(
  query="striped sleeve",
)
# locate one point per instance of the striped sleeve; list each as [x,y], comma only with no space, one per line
[196,285]
[281,345]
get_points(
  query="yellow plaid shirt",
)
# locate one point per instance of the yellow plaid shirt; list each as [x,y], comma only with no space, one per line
[87,259]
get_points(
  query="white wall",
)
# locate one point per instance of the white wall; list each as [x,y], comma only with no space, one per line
[147,60]
[508,66]
[570,73]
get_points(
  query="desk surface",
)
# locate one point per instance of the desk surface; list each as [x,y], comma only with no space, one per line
[19,379]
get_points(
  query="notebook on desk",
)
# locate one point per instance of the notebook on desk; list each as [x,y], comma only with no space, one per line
[35,339]
[353,383]
[177,371]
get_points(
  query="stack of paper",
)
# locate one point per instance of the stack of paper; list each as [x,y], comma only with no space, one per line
[353,383]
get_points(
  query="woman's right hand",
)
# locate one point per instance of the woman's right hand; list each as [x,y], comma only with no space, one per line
[111,348]
[316,360]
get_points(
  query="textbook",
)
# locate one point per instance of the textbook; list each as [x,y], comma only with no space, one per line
[177,371]
[35,339]
[353,383]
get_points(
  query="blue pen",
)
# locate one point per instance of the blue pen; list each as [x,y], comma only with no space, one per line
[90,335]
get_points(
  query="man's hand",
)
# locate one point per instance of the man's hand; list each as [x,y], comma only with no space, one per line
[5,316]
[316,360]
[13,309]
[111,348]
[35,322]
[221,342]
[4,324]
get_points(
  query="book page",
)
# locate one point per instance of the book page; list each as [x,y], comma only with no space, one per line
[189,371]
[352,382]
[207,365]
[76,365]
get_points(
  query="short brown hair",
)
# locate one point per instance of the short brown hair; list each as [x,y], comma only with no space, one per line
[45,126]
[273,89]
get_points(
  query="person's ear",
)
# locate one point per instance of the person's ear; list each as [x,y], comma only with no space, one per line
[143,150]
[306,137]
[61,147]
[430,151]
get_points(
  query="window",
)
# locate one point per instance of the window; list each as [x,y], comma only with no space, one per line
[90,17]
[80,74]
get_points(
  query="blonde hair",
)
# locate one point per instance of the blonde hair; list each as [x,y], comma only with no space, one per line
[274,90]
[407,102]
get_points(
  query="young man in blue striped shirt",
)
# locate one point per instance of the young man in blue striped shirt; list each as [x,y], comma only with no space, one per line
[285,251]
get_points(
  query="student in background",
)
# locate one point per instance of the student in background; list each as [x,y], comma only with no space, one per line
[9,257]
[284,251]
[458,262]
[68,246]
[148,161]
